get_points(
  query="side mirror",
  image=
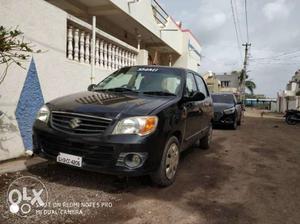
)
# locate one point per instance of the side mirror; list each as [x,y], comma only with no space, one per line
[91,87]
[198,96]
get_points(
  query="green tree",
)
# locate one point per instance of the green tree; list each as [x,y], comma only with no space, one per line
[250,85]
[13,49]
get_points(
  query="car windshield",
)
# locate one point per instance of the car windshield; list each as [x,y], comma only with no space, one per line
[146,80]
[223,98]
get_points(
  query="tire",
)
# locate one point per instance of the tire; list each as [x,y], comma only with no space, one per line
[166,173]
[206,140]
[239,123]
[290,121]
[234,125]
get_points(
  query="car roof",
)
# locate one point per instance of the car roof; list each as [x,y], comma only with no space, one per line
[222,94]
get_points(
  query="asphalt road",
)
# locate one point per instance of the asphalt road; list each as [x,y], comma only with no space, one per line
[250,175]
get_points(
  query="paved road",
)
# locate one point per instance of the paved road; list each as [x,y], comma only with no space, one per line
[248,176]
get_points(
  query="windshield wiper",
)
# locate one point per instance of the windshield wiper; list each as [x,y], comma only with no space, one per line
[118,89]
[160,93]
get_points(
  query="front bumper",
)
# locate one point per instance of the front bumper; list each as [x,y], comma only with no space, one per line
[223,119]
[99,153]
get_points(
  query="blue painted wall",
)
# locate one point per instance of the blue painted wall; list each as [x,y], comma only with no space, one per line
[30,101]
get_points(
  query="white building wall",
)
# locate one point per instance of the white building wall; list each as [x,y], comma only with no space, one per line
[292,104]
[142,58]
[142,12]
[189,59]
[194,49]
[45,26]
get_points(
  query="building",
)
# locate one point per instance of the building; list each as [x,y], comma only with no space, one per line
[290,97]
[222,83]
[229,82]
[213,84]
[82,42]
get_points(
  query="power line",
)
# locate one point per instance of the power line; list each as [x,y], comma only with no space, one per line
[237,19]
[272,64]
[236,30]
[247,27]
[281,56]
[276,62]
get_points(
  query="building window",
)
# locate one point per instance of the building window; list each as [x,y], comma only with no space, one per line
[225,83]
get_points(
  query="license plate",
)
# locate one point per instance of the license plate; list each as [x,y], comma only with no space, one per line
[69,159]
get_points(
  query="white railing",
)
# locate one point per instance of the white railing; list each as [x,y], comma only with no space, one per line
[160,15]
[110,52]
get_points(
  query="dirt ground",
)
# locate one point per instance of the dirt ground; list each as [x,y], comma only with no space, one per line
[250,175]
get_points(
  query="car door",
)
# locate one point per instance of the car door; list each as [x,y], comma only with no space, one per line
[193,109]
[205,105]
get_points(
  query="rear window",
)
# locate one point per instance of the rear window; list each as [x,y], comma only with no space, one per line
[223,98]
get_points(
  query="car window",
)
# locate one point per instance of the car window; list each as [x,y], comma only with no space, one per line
[144,80]
[234,99]
[171,84]
[118,81]
[191,86]
[138,81]
[201,85]
[223,98]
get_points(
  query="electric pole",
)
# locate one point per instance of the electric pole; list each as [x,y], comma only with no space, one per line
[244,71]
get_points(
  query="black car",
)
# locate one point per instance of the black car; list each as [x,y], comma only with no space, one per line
[134,122]
[227,110]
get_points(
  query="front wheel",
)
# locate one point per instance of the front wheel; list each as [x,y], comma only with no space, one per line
[239,123]
[234,126]
[289,120]
[166,173]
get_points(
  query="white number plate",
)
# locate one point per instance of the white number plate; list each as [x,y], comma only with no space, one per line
[69,159]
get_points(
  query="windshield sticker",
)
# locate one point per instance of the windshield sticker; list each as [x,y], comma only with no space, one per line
[147,69]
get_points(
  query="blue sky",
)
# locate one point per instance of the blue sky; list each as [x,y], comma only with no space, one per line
[274,32]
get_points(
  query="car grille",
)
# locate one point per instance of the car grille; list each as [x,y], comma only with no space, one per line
[95,154]
[217,115]
[78,123]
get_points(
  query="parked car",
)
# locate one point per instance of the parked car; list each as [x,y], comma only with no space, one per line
[134,122]
[292,117]
[227,110]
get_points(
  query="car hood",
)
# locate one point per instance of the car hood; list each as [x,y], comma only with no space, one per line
[108,104]
[220,107]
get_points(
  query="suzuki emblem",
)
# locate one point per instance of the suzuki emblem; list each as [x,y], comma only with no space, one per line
[75,123]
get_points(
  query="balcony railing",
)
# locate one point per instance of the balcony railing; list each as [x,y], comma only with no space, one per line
[110,52]
[159,13]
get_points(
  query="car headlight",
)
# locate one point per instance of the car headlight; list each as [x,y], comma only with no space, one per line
[136,125]
[229,110]
[43,114]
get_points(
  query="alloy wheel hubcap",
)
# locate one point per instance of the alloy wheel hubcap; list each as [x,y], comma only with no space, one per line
[172,161]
